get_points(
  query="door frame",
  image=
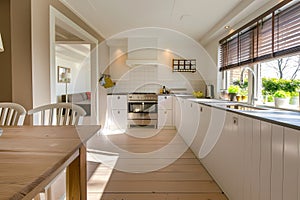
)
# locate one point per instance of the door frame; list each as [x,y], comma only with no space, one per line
[88,39]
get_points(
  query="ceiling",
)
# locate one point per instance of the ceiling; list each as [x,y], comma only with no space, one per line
[76,53]
[199,19]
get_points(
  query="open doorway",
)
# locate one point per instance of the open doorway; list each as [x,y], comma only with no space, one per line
[73,65]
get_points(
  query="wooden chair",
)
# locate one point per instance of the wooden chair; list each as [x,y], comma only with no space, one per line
[12,114]
[58,114]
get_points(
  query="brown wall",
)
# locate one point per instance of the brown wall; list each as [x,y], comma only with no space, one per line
[21,53]
[5,57]
[25,63]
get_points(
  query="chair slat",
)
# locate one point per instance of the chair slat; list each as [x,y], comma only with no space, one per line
[4,116]
[11,114]
[61,113]
[51,116]
[15,118]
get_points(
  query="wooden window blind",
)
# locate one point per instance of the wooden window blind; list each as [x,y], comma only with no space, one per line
[273,34]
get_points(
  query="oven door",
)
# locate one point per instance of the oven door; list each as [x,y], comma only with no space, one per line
[141,114]
[142,107]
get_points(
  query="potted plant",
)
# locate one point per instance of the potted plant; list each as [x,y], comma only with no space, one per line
[294,98]
[233,90]
[244,94]
[282,98]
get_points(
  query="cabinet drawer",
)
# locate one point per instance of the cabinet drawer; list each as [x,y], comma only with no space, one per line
[117,101]
[165,102]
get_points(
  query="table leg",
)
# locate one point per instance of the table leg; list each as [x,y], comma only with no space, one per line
[76,176]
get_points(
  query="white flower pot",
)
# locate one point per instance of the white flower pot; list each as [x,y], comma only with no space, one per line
[281,102]
[294,101]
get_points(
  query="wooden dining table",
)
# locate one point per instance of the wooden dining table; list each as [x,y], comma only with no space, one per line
[32,156]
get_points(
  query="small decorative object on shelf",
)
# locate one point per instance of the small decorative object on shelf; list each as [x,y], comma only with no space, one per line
[184,65]
[106,81]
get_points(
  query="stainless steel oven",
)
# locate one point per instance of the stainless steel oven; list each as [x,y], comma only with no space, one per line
[142,110]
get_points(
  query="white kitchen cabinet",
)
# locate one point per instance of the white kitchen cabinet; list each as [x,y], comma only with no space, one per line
[277,162]
[165,111]
[189,120]
[226,160]
[165,102]
[255,160]
[178,102]
[266,160]
[117,101]
[117,112]
[291,165]
[202,129]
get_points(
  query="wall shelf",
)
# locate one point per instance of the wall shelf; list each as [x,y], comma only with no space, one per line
[184,65]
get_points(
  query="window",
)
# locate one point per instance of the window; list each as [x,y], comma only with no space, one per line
[270,45]
[276,33]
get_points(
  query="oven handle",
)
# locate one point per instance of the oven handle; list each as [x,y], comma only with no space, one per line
[142,102]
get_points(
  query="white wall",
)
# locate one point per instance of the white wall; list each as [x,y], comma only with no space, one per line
[80,77]
[149,78]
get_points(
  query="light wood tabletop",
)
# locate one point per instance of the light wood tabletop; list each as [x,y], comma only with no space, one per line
[32,156]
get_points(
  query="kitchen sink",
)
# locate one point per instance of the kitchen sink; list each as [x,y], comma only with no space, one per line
[244,107]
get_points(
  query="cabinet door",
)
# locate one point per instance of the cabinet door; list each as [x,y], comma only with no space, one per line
[165,102]
[277,162]
[177,111]
[247,158]
[189,121]
[265,160]
[204,122]
[118,119]
[225,160]
[117,101]
[255,160]
[165,118]
[291,164]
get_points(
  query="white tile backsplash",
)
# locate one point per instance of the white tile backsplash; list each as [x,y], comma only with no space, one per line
[151,78]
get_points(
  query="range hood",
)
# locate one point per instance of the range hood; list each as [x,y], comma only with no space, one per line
[142,51]
[138,62]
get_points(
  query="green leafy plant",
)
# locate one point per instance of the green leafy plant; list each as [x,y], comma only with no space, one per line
[241,85]
[281,94]
[271,85]
[234,89]
[294,94]
[244,92]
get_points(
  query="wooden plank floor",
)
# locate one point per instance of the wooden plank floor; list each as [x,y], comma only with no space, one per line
[185,178]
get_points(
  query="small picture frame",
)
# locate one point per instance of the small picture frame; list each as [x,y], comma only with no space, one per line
[63,74]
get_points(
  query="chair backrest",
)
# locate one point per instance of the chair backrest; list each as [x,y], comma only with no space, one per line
[11,114]
[58,114]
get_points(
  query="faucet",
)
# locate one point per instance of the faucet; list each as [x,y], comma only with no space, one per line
[252,98]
